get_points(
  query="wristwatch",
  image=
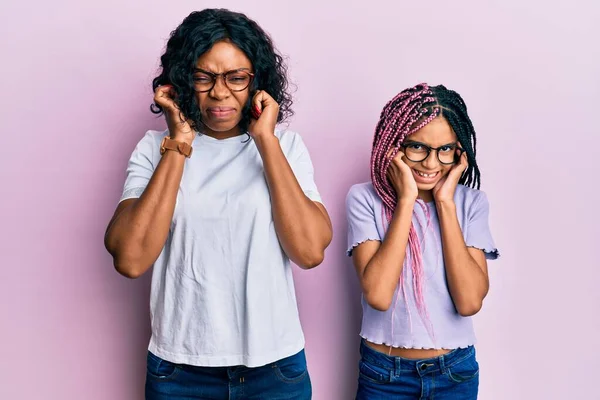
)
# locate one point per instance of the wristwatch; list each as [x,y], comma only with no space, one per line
[180,147]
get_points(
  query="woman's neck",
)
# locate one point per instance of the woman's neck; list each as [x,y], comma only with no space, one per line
[222,135]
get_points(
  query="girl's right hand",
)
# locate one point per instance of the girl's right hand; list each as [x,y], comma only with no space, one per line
[179,128]
[401,178]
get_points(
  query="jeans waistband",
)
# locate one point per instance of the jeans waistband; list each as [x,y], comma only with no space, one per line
[423,366]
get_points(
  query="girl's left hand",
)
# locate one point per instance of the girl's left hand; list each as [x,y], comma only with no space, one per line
[444,190]
[265,110]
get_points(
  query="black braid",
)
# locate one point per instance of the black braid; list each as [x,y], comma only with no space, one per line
[454,109]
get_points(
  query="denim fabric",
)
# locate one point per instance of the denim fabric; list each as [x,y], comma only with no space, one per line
[453,376]
[284,379]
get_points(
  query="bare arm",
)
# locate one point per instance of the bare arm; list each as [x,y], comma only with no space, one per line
[138,230]
[466,267]
[302,225]
[379,264]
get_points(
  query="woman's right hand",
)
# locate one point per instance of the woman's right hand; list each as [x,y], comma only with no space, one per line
[179,128]
[401,178]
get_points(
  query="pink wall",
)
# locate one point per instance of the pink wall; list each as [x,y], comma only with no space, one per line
[75,97]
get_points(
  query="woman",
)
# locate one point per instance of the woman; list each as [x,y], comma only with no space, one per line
[419,240]
[219,204]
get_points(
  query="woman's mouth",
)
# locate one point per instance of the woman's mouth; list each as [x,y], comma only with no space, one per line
[220,112]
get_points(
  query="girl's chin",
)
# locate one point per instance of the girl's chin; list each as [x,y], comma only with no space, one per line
[426,186]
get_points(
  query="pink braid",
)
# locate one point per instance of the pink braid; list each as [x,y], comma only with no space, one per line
[406,113]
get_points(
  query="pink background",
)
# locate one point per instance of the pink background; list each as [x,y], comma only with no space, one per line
[75,97]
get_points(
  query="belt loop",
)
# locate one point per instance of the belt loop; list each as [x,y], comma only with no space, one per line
[397,365]
[442,361]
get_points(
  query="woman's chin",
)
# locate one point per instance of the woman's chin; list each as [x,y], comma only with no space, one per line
[221,127]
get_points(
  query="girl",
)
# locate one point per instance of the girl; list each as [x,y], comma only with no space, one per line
[419,240]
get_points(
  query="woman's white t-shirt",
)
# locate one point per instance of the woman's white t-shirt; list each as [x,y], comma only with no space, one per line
[222,287]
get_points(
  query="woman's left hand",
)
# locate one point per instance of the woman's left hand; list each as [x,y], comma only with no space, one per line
[444,190]
[265,110]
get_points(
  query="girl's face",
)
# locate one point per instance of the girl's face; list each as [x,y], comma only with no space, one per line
[437,134]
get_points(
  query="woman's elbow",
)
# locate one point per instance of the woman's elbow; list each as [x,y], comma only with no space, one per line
[128,269]
[310,260]
[129,264]
[128,260]
[309,255]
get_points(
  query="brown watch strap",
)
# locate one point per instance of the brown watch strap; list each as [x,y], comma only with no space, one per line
[180,147]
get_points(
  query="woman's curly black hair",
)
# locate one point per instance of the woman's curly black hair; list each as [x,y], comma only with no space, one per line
[198,32]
